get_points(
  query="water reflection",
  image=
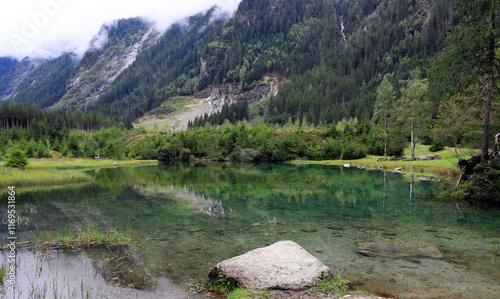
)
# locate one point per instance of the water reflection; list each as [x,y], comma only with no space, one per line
[188,218]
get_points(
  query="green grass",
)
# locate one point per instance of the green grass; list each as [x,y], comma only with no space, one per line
[335,284]
[2,273]
[446,167]
[178,105]
[88,238]
[328,287]
[46,172]
[154,127]
[247,293]
[38,177]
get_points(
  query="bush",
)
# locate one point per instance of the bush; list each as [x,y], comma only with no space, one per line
[353,151]
[426,139]
[246,155]
[174,152]
[41,150]
[16,158]
[395,151]
[376,148]
[437,145]
[332,132]
[332,150]
[483,187]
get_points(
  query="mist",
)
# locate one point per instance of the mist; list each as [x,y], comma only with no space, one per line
[49,28]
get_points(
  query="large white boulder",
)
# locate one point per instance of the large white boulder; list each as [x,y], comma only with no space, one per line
[283,265]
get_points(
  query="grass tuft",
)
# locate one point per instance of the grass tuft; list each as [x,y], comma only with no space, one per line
[88,238]
[334,284]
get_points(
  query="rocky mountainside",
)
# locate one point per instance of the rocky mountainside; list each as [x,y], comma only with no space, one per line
[63,82]
[332,54]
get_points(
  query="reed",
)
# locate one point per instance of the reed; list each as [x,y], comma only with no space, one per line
[88,238]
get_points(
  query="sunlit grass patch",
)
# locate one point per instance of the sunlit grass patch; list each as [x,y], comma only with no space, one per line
[82,163]
[38,177]
[45,172]
[446,166]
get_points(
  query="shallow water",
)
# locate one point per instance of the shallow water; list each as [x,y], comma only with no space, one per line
[188,218]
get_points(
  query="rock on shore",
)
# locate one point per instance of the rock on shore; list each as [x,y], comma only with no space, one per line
[283,265]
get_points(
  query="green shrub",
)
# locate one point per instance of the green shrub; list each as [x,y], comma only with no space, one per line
[353,151]
[376,148]
[332,150]
[41,150]
[437,145]
[483,187]
[395,151]
[332,132]
[16,158]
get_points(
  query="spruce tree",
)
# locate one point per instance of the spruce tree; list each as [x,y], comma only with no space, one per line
[17,158]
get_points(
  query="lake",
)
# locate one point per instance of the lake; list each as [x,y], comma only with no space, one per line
[187,218]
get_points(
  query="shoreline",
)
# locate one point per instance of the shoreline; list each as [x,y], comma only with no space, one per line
[423,168]
[63,171]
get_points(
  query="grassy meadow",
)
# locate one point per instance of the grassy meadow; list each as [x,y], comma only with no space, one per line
[446,167]
[58,171]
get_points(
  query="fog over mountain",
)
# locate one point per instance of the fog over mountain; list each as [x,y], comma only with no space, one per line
[48,28]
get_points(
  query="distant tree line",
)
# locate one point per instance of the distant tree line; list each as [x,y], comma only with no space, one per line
[35,128]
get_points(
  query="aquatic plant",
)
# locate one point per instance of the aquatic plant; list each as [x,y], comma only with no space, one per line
[2,273]
[334,284]
[88,238]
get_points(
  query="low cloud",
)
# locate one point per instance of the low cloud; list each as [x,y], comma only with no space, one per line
[48,28]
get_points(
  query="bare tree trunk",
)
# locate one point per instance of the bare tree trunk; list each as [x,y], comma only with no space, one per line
[411,187]
[412,143]
[385,132]
[487,110]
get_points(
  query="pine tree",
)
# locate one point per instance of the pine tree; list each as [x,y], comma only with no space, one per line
[17,158]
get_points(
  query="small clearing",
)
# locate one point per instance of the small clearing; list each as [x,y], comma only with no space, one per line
[177,120]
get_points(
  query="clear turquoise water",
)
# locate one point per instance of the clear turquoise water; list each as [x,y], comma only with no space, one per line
[188,218]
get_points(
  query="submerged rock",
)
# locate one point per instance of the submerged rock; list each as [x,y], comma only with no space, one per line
[400,249]
[283,265]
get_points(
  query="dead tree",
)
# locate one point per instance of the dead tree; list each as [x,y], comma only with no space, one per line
[467,166]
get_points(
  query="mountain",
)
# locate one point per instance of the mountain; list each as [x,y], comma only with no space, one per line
[68,80]
[5,64]
[329,56]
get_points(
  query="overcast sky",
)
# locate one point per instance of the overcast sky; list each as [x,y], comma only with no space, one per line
[50,27]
